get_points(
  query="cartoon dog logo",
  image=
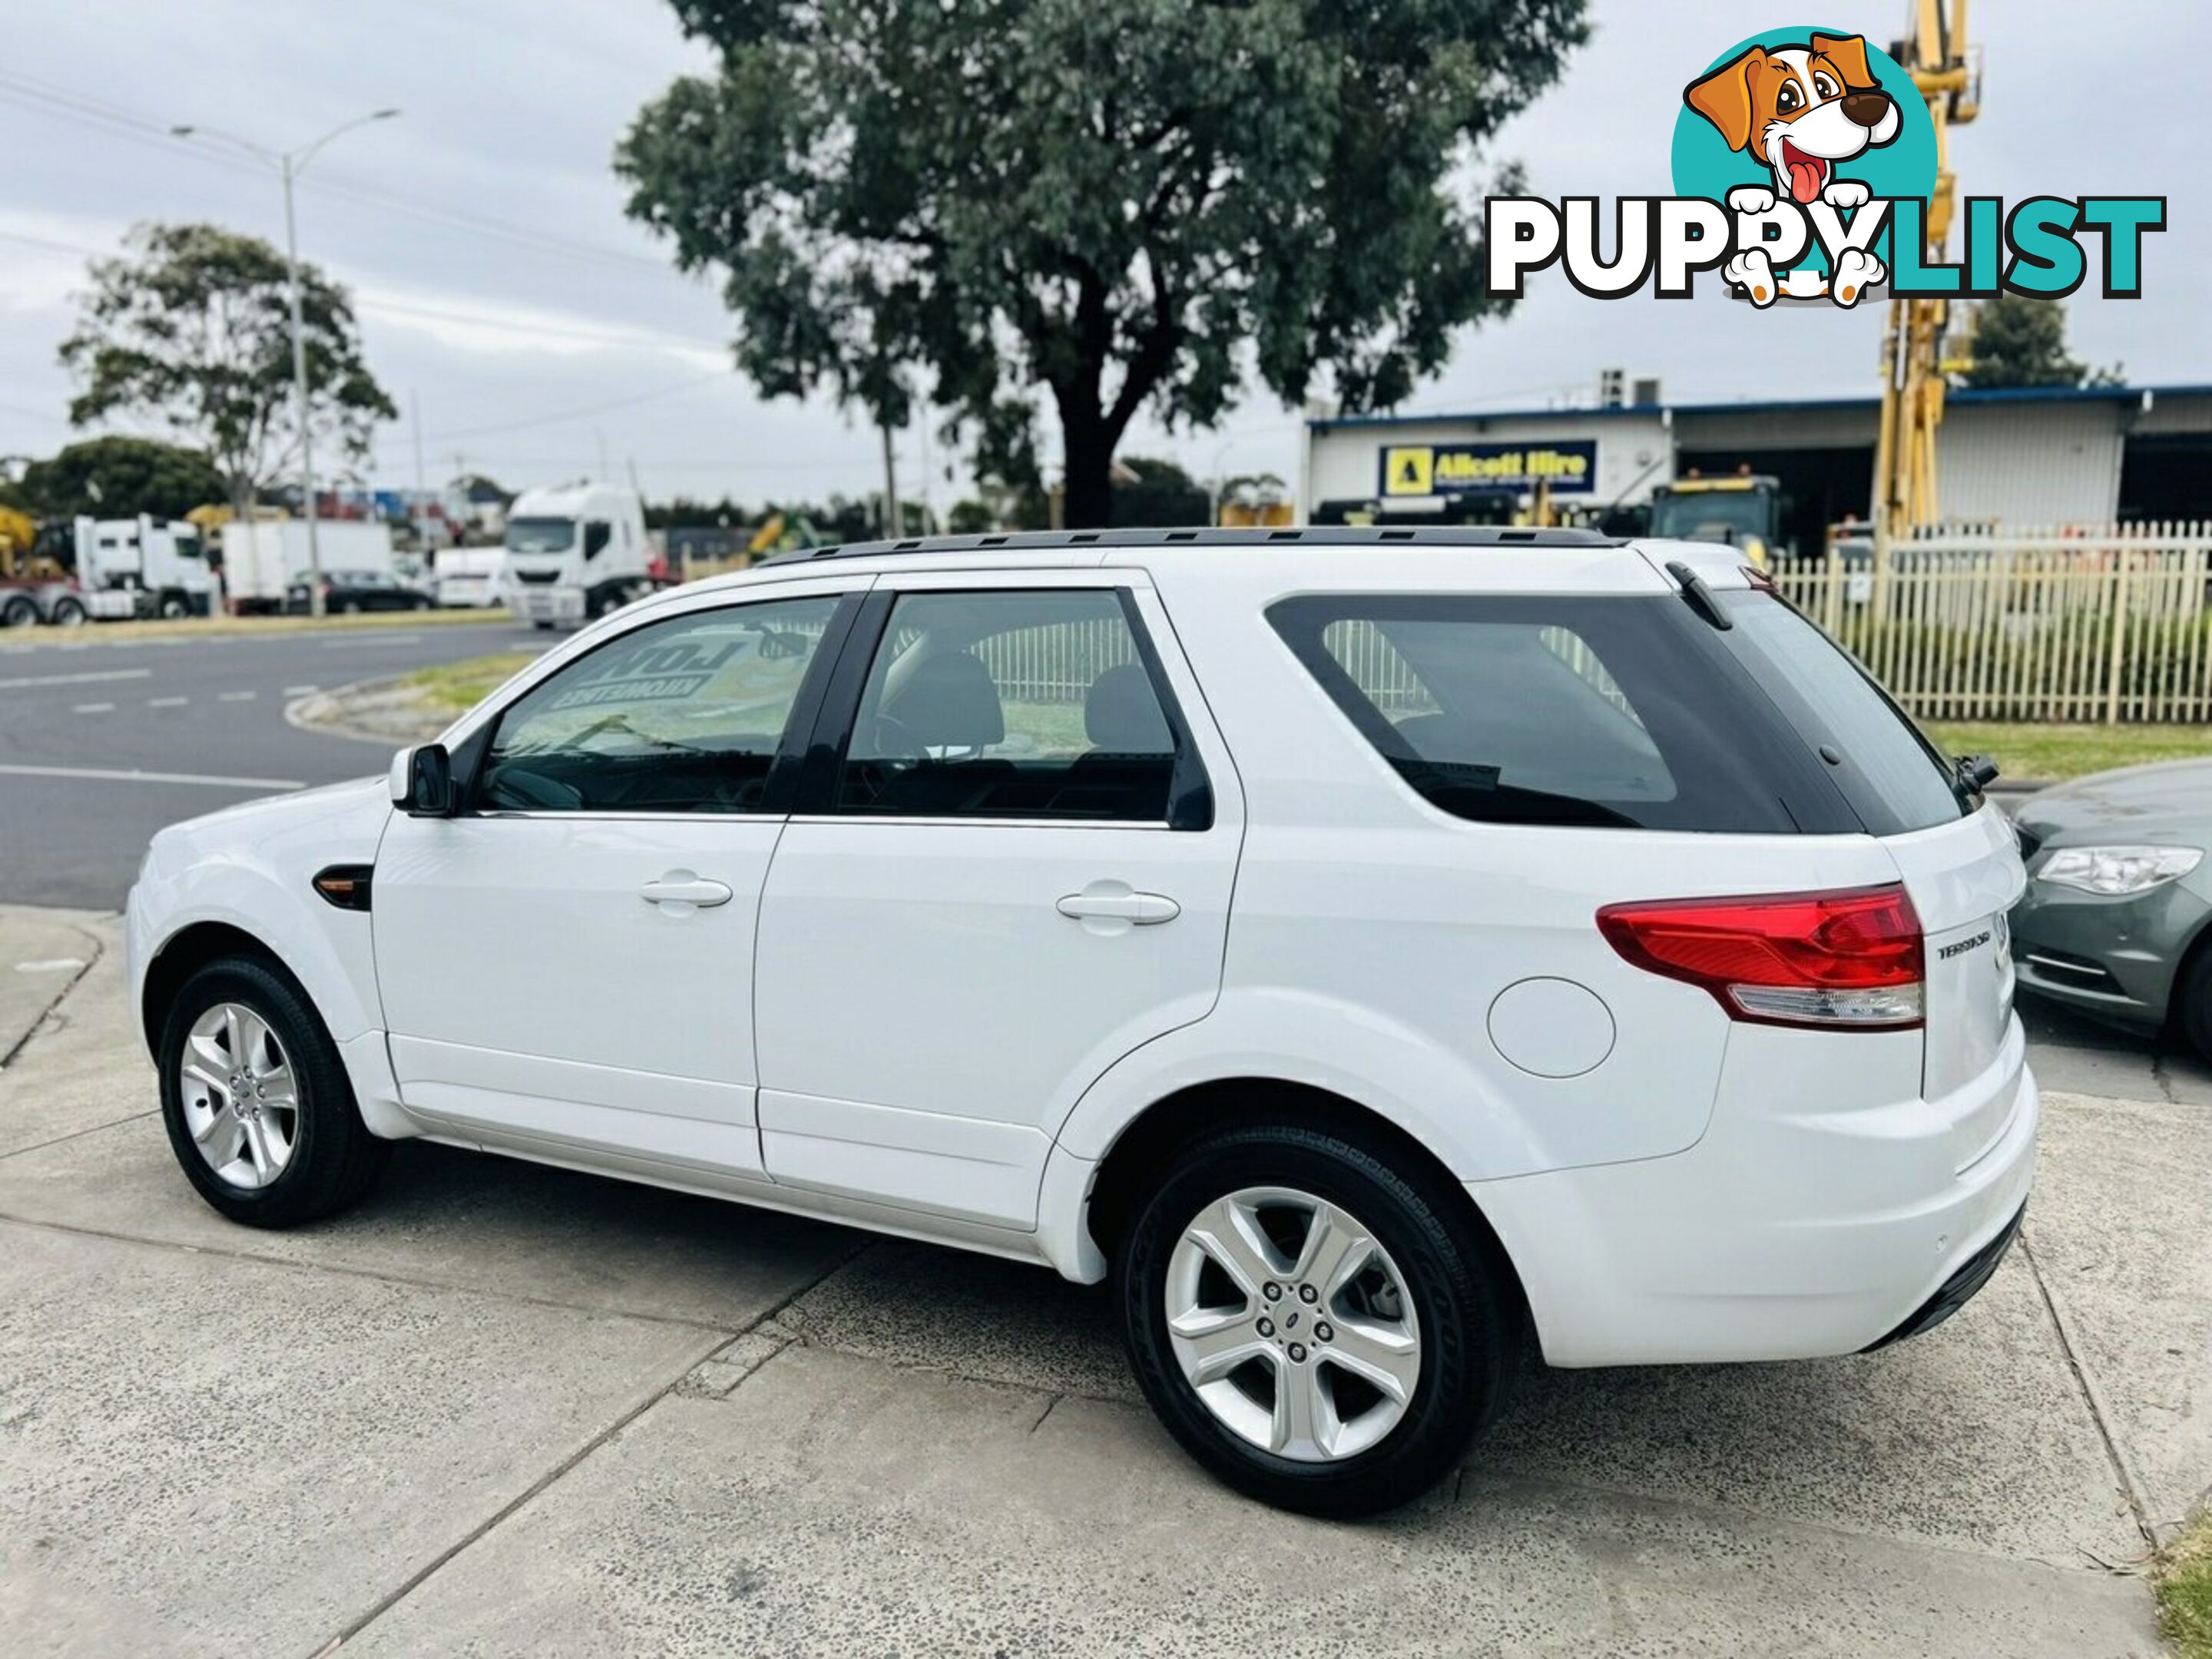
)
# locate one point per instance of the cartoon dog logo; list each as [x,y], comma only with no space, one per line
[1799,110]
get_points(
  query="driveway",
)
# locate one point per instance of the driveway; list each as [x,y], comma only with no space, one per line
[503,1409]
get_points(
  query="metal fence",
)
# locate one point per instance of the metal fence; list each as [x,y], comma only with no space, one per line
[2060,624]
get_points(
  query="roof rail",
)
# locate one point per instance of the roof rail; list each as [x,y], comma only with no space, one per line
[1022,541]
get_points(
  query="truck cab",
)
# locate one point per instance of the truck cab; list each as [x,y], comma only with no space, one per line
[575,552]
[1743,511]
[160,563]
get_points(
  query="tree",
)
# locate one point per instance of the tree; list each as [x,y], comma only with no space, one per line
[193,328]
[121,478]
[2020,341]
[1114,202]
[1150,492]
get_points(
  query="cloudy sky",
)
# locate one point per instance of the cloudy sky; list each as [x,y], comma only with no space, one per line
[507,299]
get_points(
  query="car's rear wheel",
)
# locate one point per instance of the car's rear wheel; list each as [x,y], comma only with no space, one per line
[256,1101]
[1318,1329]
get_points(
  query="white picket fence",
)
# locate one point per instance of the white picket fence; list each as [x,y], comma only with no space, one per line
[2066,623]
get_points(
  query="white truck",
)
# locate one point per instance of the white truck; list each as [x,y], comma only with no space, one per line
[469,577]
[261,562]
[576,551]
[141,567]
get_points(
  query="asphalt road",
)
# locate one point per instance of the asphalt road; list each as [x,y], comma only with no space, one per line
[79,715]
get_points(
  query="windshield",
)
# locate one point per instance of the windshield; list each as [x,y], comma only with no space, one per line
[1726,516]
[540,535]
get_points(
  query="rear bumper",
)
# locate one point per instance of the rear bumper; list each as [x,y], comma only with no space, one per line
[1961,1288]
[1796,1229]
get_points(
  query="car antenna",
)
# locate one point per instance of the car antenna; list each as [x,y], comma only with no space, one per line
[1699,595]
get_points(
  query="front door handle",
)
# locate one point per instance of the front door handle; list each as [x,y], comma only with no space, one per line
[682,892]
[1143,909]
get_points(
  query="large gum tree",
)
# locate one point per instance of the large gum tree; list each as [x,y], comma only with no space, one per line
[1111,203]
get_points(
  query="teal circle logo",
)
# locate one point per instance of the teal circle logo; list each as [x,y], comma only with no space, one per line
[1797,110]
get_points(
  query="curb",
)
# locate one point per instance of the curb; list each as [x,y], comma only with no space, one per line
[380,711]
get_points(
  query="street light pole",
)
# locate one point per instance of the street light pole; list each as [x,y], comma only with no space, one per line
[289,165]
[300,388]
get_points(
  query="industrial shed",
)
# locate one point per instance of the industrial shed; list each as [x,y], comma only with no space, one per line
[2032,455]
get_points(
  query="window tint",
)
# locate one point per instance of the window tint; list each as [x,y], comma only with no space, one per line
[1886,770]
[1012,704]
[1603,712]
[682,716]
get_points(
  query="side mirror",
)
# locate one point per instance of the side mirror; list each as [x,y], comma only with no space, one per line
[423,781]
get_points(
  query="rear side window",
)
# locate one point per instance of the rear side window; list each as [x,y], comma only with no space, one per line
[1013,703]
[1603,711]
[1890,774]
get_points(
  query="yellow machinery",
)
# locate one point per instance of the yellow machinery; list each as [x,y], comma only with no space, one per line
[1914,359]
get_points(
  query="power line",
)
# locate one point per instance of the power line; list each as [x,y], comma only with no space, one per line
[584,413]
[100,115]
[545,331]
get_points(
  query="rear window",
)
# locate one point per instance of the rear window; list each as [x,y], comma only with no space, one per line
[1893,776]
[1610,712]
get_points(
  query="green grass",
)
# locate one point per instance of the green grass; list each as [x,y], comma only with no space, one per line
[452,689]
[2185,1591]
[2051,754]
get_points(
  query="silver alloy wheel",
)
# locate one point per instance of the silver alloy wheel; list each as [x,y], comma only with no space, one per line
[1293,1325]
[241,1100]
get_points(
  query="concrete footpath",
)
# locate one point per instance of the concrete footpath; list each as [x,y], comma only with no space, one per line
[507,1410]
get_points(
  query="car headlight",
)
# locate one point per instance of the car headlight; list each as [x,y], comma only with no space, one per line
[2112,871]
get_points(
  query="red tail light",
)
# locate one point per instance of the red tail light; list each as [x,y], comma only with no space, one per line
[1849,959]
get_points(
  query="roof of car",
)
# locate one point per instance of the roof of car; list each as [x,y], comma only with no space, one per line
[1033,541]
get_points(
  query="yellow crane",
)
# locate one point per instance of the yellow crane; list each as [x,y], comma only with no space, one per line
[1916,340]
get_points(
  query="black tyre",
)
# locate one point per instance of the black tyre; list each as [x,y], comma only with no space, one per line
[2192,1000]
[255,1101]
[68,613]
[1320,1330]
[18,612]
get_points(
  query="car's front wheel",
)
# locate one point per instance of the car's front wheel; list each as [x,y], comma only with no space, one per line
[1318,1329]
[256,1101]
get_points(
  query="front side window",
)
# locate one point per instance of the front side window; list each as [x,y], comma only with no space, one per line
[1604,712]
[1012,705]
[685,715]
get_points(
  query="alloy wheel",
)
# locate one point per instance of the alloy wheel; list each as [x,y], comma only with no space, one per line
[240,1097]
[1293,1324]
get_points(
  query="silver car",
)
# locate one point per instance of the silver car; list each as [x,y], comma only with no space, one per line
[2119,895]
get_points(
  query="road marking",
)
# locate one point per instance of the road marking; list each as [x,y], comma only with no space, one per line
[300,691]
[77,679]
[357,644]
[237,696]
[96,774]
[50,965]
[167,702]
[95,709]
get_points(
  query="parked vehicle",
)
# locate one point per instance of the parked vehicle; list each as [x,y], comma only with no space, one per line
[1370,947]
[470,578]
[157,566]
[348,592]
[1744,510]
[2116,921]
[262,561]
[575,552]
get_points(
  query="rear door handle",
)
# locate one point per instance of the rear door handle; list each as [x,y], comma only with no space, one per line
[1144,909]
[683,891]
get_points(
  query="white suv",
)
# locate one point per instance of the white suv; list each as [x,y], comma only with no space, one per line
[1370,948]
